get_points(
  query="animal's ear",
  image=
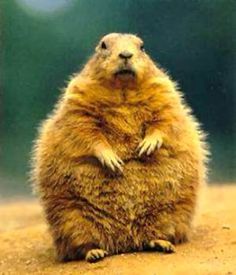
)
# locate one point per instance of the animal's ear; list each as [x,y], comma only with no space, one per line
[102,45]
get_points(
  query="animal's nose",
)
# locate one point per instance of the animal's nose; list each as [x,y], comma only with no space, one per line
[125,55]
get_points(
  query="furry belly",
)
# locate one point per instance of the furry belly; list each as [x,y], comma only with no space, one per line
[143,188]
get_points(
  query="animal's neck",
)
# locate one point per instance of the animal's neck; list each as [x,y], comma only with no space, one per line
[107,92]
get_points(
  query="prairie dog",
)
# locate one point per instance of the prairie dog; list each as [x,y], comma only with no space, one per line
[118,163]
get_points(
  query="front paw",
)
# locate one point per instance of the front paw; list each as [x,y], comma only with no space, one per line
[109,158]
[149,144]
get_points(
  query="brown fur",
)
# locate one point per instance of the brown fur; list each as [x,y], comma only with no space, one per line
[91,208]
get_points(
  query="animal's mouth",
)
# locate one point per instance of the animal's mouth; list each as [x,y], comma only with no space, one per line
[125,72]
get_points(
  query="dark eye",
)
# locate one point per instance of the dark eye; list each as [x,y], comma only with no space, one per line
[142,48]
[103,45]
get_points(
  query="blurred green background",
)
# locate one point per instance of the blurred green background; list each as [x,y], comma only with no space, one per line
[43,42]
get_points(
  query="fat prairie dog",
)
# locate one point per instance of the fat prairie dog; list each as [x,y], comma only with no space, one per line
[118,163]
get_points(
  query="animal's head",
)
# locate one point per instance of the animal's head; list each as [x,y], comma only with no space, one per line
[121,59]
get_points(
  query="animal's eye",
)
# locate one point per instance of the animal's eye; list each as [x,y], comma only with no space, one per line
[142,48]
[103,45]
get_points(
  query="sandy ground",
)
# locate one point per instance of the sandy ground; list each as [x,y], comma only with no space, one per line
[26,247]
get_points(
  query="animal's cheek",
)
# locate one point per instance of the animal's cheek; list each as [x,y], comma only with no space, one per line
[110,64]
[139,65]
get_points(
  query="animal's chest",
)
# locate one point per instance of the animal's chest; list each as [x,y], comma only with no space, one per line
[124,128]
[125,121]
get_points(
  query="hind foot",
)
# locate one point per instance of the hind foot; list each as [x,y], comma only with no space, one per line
[162,245]
[95,255]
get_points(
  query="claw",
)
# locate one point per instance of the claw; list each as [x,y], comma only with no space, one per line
[144,148]
[108,158]
[149,144]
